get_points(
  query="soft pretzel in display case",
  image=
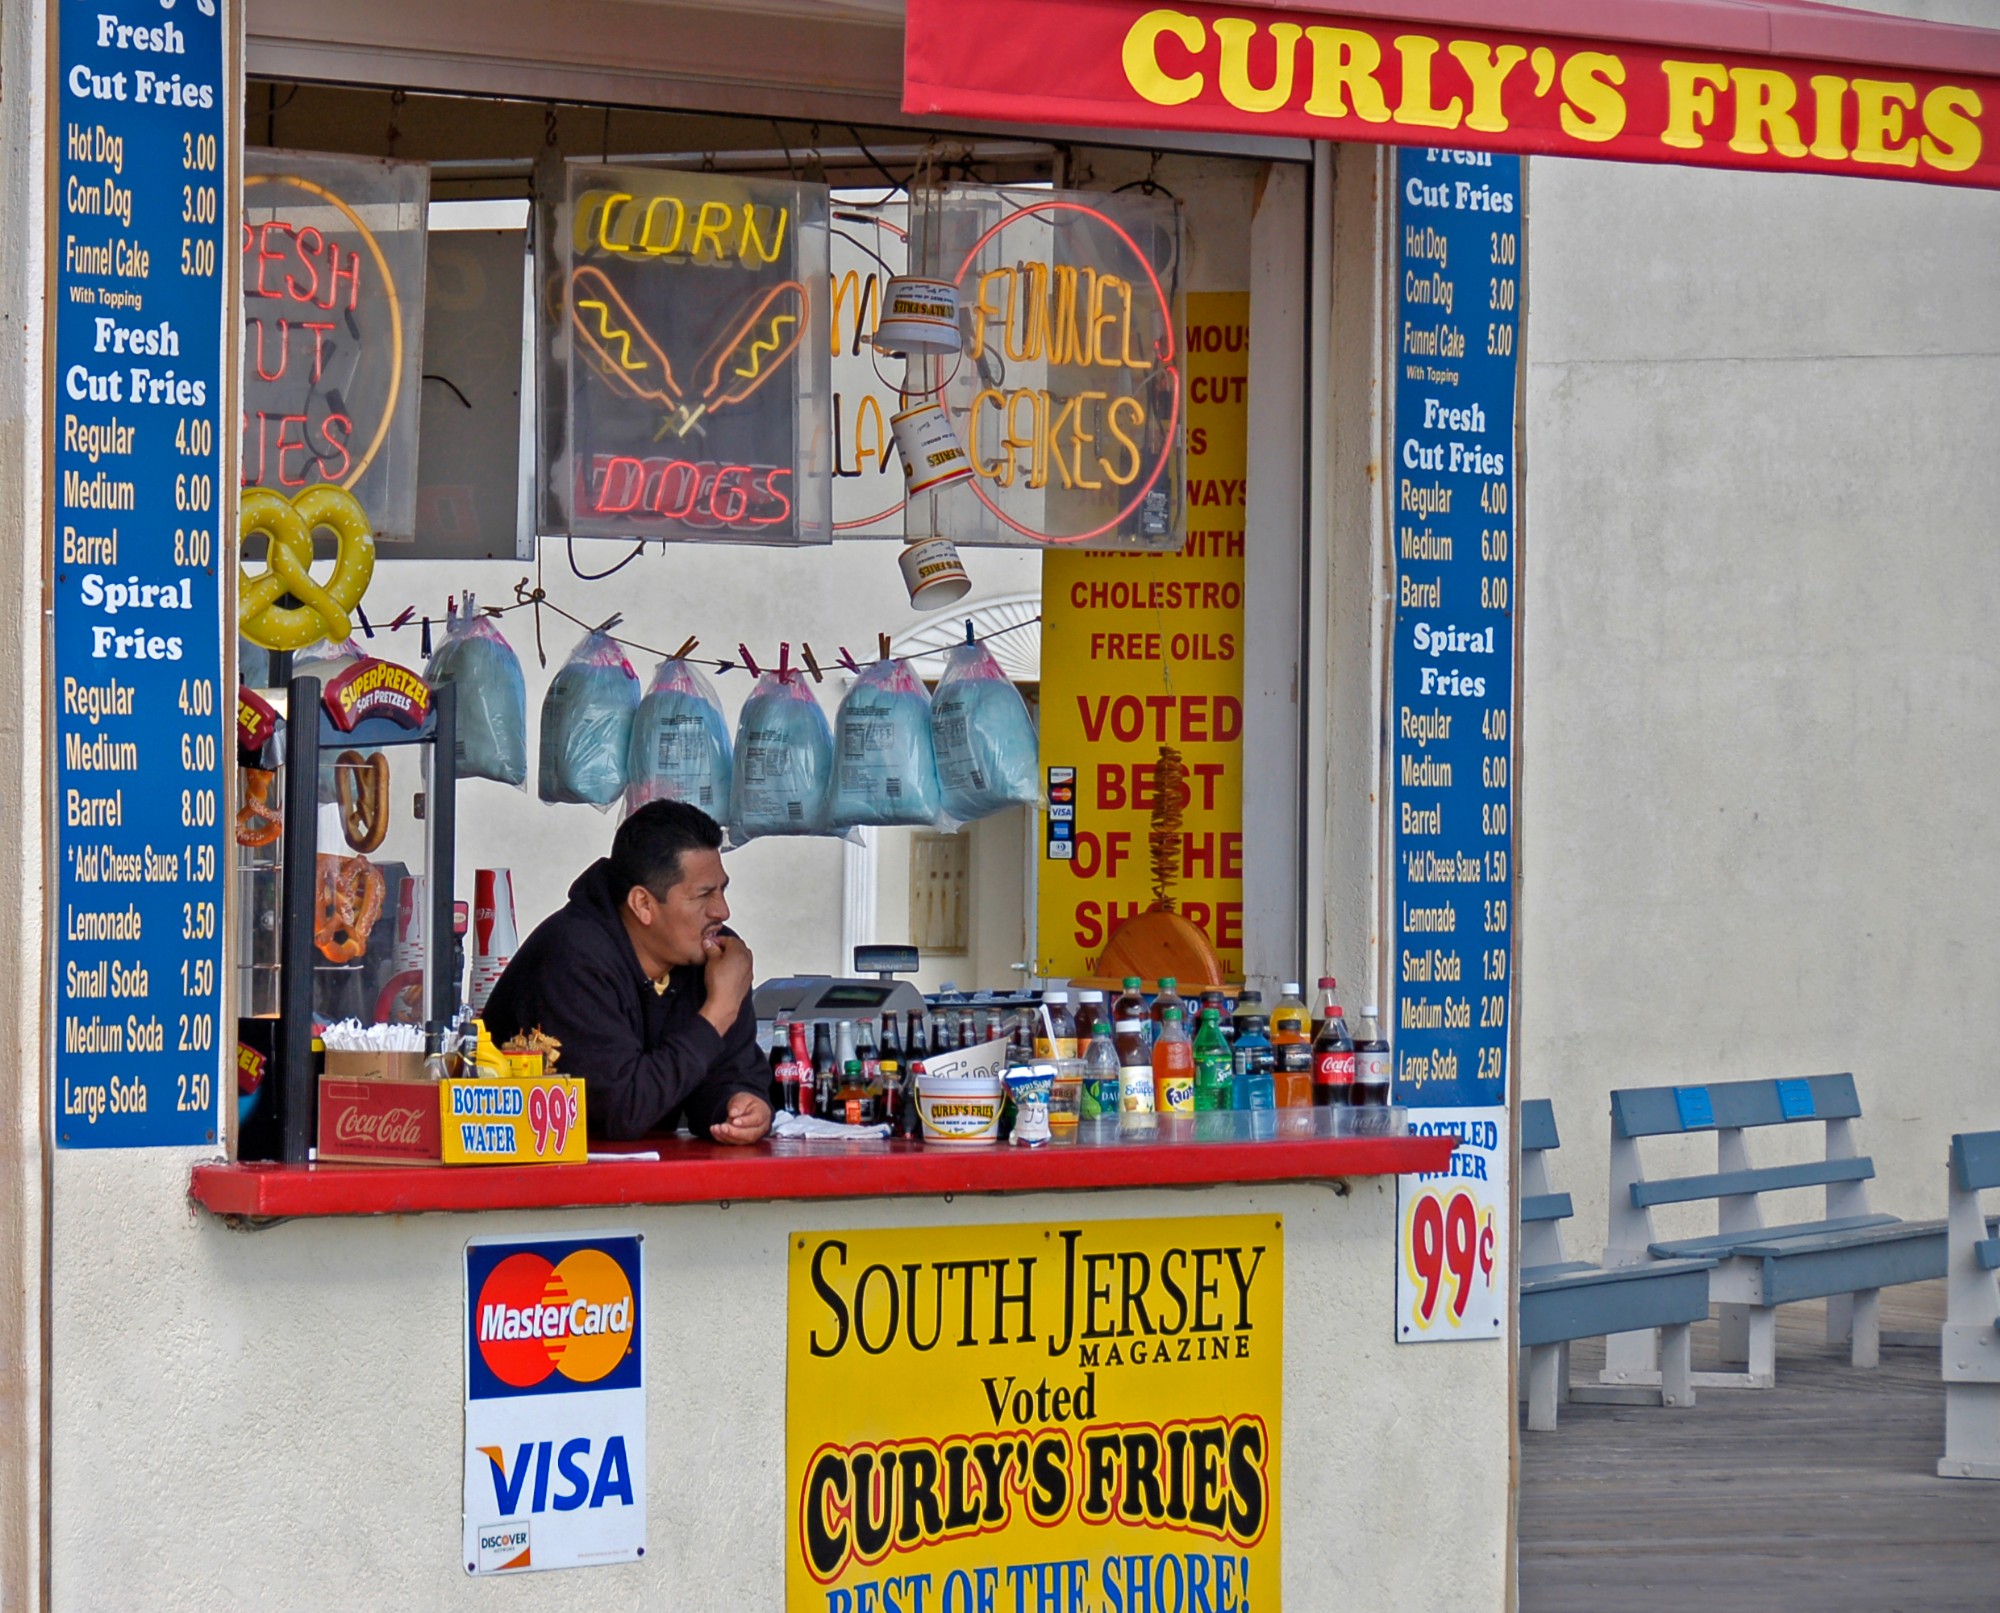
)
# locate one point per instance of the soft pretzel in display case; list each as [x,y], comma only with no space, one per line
[361,787]
[350,893]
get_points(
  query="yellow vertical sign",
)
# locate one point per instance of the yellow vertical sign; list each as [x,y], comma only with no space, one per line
[1141,652]
[1037,1416]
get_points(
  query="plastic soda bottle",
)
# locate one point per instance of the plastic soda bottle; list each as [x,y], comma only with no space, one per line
[1129,1015]
[1132,1037]
[1256,1090]
[1173,1066]
[1333,1055]
[1214,1070]
[1168,996]
[1288,1018]
[1055,1036]
[1372,1062]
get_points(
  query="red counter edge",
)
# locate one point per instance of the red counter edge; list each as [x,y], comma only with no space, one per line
[706,1173]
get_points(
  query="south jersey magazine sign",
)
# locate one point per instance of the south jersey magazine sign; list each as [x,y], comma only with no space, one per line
[141,219]
[1045,1416]
[555,1403]
[1452,721]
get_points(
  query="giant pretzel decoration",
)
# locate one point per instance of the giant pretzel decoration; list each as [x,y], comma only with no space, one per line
[288,525]
[347,903]
[361,785]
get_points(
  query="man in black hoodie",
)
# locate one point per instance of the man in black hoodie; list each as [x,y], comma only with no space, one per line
[646,990]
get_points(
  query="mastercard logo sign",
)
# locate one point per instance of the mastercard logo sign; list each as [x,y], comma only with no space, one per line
[537,1319]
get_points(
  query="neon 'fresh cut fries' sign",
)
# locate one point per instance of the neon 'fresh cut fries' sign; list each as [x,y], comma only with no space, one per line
[686,361]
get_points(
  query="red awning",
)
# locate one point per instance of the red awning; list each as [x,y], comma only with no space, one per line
[1788,85]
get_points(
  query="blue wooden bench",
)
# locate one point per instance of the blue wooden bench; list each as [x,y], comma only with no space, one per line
[1972,1314]
[1564,1299]
[1846,1257]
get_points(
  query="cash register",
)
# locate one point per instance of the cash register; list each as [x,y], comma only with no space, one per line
[835,997]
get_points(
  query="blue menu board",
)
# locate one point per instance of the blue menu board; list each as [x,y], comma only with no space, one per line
[137,294]
[1452,733]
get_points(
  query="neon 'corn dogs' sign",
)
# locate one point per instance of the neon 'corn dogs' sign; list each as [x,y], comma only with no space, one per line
[685,374]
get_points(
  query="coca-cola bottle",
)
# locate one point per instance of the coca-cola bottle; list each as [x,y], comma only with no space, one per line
[825,1072]
[781,1070]
[1372,1062]
[1333,1052]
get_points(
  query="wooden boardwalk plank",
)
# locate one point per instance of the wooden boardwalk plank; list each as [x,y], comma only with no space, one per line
[1821,1493]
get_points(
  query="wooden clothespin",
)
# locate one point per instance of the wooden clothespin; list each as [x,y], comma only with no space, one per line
[685,650]
[882,646]
[812,666]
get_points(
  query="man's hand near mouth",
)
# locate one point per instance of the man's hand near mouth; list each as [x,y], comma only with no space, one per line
[728,975]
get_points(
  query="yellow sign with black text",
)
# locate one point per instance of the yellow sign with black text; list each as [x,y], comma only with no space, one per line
[1076,1416]
[1143,654]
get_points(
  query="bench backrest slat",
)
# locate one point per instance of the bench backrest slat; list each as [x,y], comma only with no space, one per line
[1546,1207]
[1975,1159]
[1663,1111]
[1770,1179]
[1538,1124]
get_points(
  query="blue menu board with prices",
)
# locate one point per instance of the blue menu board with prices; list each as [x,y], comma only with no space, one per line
[137,300]
[1452,723]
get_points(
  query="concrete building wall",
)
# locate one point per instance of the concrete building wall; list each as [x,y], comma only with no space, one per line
[1760,588]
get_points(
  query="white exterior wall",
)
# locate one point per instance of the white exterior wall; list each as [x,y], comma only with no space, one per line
[274,1419]
[1760,582]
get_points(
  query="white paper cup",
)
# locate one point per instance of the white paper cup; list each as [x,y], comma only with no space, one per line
[933,457]
[934,574]
[918,315]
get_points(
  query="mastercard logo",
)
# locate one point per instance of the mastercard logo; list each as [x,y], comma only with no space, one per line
[538,1318]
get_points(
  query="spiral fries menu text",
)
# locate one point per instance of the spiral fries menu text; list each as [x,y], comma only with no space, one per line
[137,301]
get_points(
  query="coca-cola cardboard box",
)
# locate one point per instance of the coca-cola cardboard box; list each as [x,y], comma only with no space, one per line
[376,1108]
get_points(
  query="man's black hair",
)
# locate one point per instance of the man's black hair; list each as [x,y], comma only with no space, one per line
[647,848]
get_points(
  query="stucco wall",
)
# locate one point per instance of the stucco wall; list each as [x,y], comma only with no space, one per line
[1760,585]
[274,1419]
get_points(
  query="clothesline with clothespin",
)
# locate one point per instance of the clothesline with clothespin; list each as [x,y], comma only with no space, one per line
[532,595]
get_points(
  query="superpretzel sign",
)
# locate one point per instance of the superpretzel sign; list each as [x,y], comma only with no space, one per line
[555,1403]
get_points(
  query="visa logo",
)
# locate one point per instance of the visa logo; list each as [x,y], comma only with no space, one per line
[575,1487]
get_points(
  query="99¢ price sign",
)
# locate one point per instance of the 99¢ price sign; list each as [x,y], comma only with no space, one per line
[513,1122]
[1452,1241]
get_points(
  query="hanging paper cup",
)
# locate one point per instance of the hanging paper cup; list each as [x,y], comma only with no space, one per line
[918,316]
[933,457]
[934,574]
